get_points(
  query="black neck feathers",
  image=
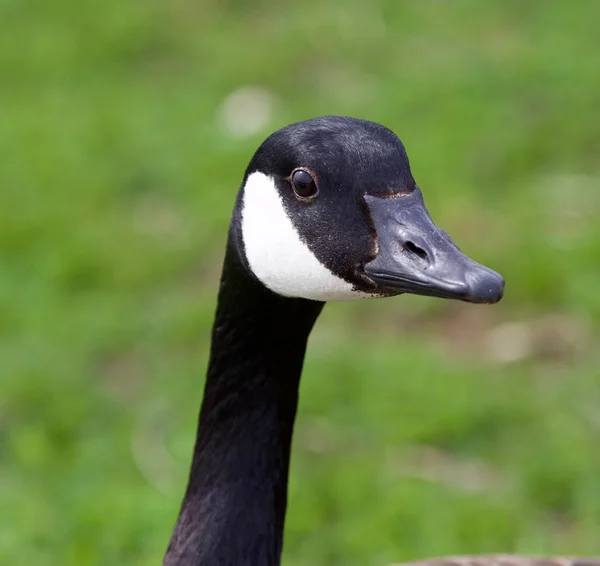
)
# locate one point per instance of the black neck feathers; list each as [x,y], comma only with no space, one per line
[234,507]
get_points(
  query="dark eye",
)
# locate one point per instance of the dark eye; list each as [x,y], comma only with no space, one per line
[303,183]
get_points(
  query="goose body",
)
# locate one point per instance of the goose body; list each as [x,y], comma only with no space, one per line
[328,210]
[505,560]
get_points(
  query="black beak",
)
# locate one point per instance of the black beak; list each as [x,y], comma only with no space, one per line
[415,256]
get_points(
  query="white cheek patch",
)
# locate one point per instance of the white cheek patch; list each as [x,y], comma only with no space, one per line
[276,253]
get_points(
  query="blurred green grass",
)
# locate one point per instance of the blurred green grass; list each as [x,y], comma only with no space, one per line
[425,427]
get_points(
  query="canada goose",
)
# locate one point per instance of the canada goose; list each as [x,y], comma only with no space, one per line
[328,210]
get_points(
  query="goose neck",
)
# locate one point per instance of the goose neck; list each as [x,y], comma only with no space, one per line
[234,507]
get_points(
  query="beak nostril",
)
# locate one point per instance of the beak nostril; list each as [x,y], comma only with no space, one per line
[413,248]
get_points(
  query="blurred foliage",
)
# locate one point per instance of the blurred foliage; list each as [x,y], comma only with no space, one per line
[425,427]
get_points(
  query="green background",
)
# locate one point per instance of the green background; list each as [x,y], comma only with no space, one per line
[425,427]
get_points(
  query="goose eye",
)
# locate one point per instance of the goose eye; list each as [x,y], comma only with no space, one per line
[303,183]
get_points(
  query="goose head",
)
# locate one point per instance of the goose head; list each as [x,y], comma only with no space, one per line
[329,210]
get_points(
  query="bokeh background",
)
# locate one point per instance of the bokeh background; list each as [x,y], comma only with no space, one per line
[425,427]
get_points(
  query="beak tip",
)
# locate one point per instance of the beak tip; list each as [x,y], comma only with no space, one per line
[485,287]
